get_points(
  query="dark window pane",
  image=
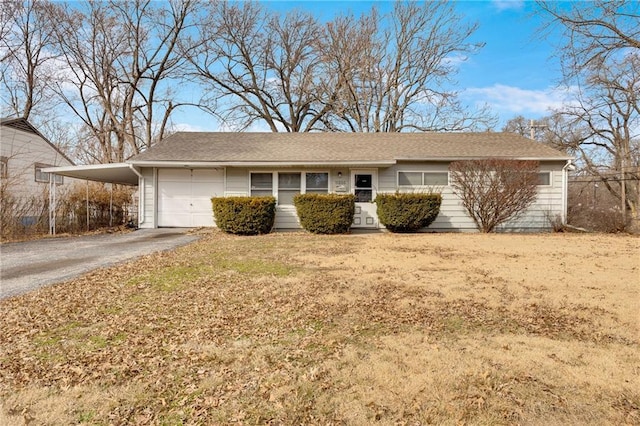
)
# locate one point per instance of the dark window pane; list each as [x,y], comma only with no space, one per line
[410,178]
[363,181]
[261,180]
[289,181]
[439,178]
[317,181]
[544,178]
[363,195]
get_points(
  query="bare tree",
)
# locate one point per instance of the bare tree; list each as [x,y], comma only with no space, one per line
[121,57]
[396,76]
[27,56]
[601,65]
[607,114]
[593,31]
[553,130]
[262,67]
[352,74]
[494,191]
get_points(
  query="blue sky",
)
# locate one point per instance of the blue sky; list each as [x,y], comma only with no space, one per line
[515,73]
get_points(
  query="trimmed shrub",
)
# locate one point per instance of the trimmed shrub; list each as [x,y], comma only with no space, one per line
[407,212]
[325,213]
[244,215]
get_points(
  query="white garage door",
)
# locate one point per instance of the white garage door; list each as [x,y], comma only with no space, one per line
[184,196]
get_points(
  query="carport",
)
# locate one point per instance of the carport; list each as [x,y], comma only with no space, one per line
[113,173]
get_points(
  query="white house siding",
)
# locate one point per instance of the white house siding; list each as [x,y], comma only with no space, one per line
[548,206]
[148,204]
[453,216]
[23,150]
[237,182]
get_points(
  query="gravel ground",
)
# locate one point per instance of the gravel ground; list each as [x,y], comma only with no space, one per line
[29,265]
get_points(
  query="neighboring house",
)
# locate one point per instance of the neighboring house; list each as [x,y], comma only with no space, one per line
[24,153]
[179,175]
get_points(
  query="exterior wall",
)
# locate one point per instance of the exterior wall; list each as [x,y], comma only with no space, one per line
[547,207]
[453,216]
[238,184]
[147,218]
[22,150]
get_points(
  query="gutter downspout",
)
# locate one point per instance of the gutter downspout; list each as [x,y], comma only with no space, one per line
[140,195]
[565,189]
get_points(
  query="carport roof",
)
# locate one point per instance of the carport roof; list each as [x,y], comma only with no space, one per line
[121,173]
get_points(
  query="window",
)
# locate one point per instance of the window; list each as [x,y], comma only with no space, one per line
[41,176]
[261,184]
[544,179]
[423,178]
[4,165]
[317,183]
[288,186]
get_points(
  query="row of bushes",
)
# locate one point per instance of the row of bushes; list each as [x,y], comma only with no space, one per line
[325,213]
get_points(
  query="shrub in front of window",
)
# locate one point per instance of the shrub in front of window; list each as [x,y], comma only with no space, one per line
[494,191]
[402,212]
[325,213]
[244,215]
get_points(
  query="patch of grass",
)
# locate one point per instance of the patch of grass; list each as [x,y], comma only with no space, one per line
[168,279]
[254,267]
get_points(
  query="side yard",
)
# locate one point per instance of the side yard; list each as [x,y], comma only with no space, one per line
[296,328]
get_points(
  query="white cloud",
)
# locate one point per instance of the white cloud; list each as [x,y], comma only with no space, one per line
[502,5]
[509,100]
[186,127]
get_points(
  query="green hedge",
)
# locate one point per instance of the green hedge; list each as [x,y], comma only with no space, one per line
[325,213]
[407,212]
[244,215]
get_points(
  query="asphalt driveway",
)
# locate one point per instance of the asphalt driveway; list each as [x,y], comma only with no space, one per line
[29,265]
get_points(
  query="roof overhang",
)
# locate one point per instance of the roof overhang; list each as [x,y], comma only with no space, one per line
[120,173]
[449,159]
[210,164]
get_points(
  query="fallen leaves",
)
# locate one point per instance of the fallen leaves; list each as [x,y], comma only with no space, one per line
[239,330]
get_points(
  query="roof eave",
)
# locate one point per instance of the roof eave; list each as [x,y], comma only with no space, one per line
[204,164]
[448,159]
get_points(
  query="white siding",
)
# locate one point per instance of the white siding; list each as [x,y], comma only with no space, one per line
[453,216]
[22,151]
[237,182]
[149,199]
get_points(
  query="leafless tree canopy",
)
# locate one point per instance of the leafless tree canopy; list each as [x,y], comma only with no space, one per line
[119,57]
[369,74]
[27,57]
[601,67]
[258,66]
[117,69]
[593,31]
[494,191]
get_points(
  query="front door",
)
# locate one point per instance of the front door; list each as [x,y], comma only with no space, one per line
[363,184]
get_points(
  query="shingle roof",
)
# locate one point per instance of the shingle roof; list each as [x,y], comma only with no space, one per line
[255,148]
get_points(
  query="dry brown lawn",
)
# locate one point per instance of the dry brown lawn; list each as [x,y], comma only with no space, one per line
[292,328]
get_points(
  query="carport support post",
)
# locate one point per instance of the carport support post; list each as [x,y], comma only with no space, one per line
[52,204]
[87,206]
[110,205]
